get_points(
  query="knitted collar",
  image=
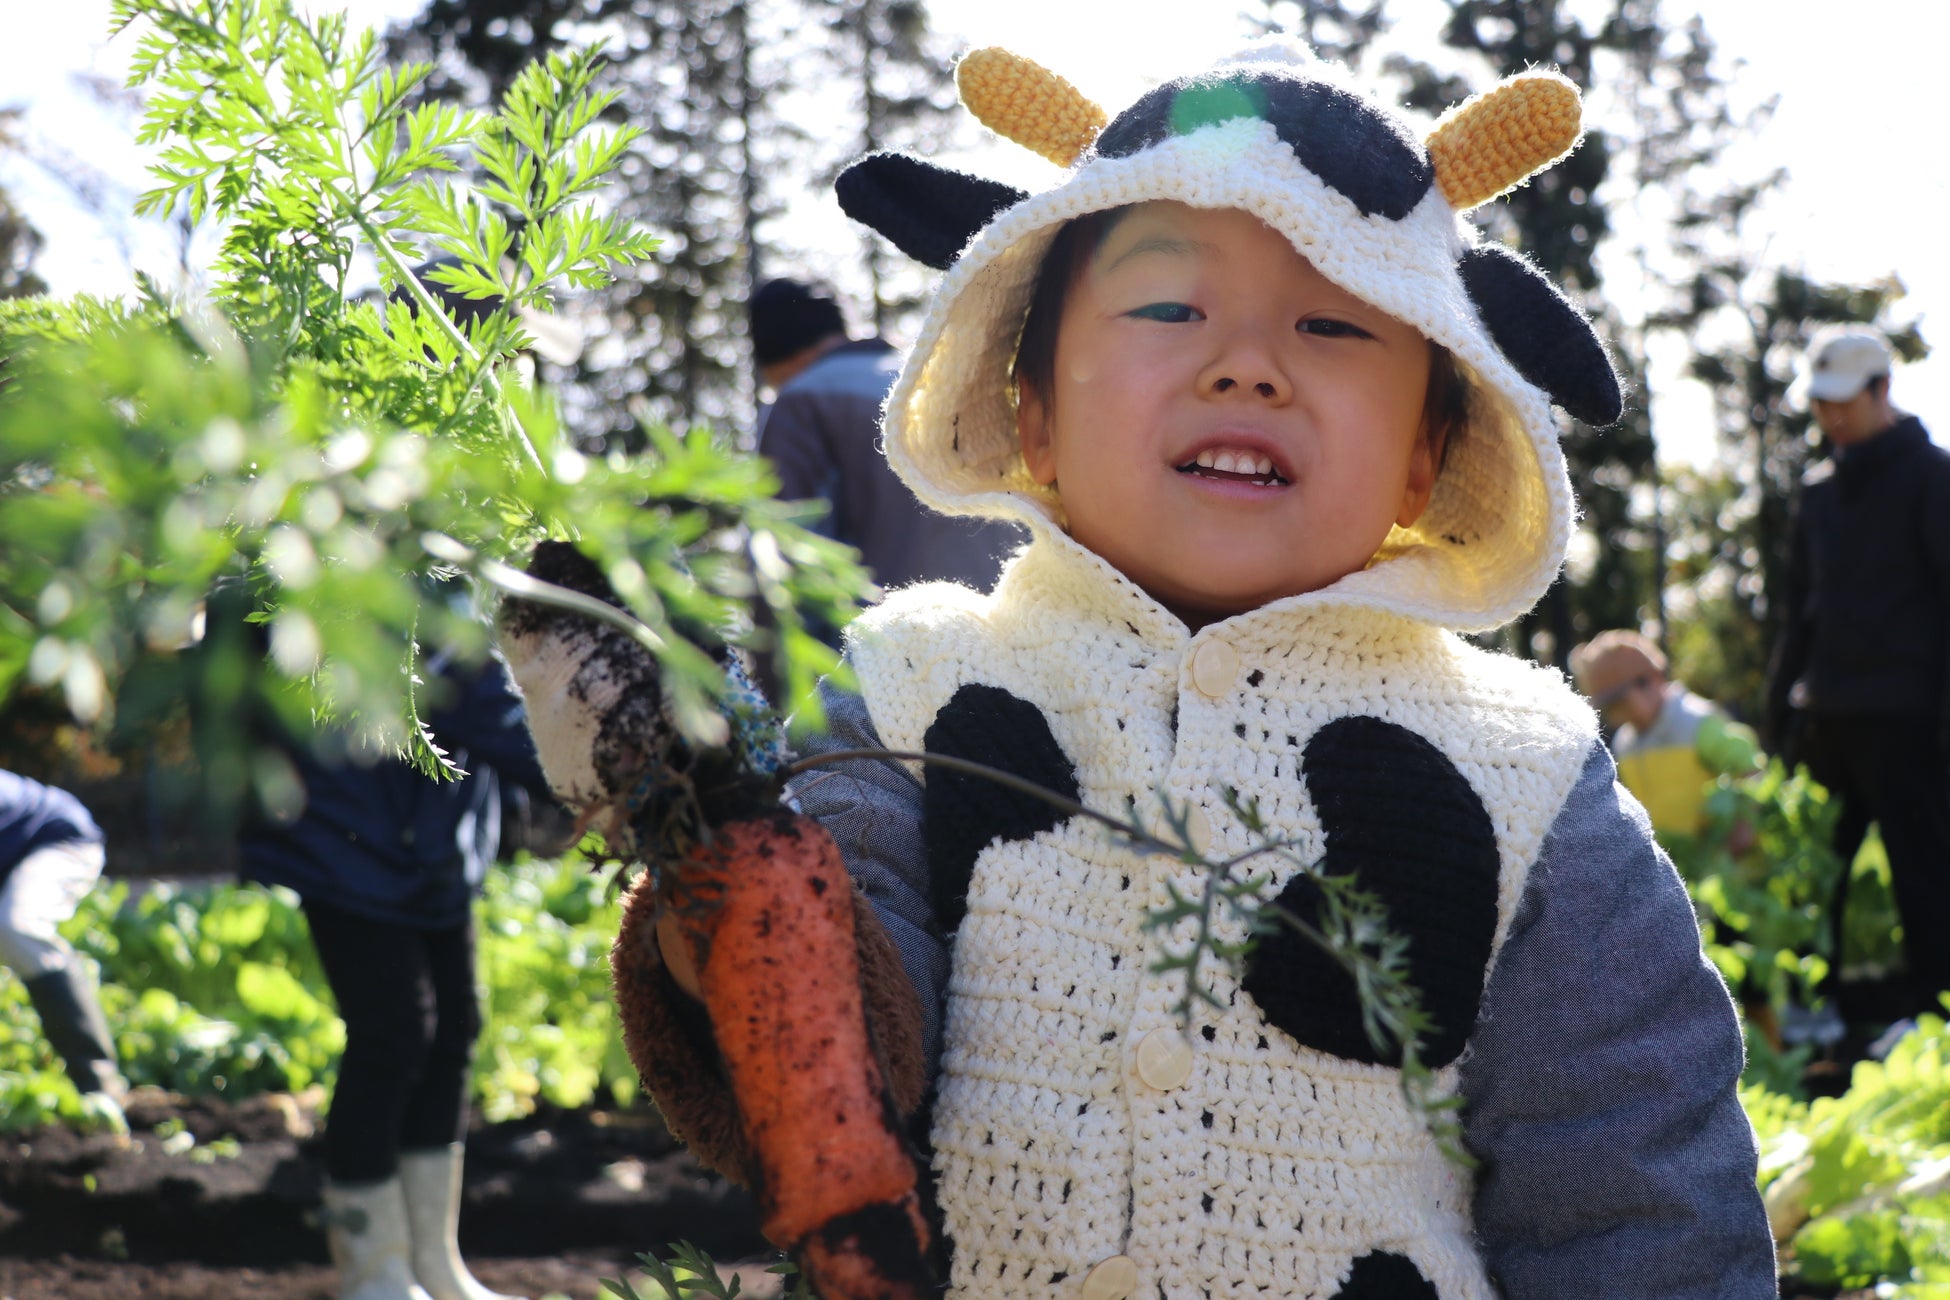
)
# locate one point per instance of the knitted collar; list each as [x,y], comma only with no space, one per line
[1094,592]
[1374,208]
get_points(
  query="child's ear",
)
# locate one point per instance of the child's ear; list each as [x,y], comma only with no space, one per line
[1424,463]
[1035,436]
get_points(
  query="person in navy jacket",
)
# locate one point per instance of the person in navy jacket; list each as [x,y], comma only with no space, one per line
[386,861]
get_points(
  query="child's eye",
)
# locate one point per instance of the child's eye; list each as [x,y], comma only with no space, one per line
[1171,313]
[1332,329]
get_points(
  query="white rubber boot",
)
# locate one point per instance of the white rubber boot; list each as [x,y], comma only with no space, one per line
[431,1180]
[366,1227]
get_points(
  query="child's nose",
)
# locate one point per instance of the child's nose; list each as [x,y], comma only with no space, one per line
[1243,364]
[1225,384]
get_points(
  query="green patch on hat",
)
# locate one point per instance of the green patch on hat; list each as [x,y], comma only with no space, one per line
[1208,103]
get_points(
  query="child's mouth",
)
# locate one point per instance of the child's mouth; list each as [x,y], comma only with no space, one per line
[1227,466]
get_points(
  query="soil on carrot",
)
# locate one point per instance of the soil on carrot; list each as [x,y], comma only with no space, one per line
[207,1200]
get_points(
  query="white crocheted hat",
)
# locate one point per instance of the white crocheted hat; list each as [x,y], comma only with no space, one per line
[1374,207]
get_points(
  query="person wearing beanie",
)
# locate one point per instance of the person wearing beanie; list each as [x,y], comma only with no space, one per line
[1280,425]
[822,434]
[50,856]
[1859,689]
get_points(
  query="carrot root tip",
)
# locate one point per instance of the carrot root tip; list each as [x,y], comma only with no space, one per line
[879,1252]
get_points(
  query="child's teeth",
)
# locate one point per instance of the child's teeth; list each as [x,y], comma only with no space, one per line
[1228,461]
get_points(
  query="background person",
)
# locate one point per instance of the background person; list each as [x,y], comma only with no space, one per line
[1669,743]
[50,856]
[1858,687]
[386,861]
[822,435]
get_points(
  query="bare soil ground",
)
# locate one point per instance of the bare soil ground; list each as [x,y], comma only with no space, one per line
[207,1200]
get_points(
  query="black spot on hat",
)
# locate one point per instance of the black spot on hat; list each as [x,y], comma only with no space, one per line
[1353,146]
[966,813]
[1547,339]
[1407,825]
[927,211]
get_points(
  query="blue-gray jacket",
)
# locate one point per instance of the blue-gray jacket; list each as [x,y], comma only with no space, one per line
[822,436]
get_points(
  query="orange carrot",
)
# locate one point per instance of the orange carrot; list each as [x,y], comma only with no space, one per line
[769,916]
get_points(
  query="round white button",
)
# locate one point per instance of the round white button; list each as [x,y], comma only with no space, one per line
[1198,829]
[1164,1059]
[1215,665]
[1112,1279]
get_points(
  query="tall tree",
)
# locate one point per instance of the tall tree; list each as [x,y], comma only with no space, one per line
[20,243]
[1744,321]
[716,84]
[1652,118]
[1559,220]
[902,81]
[1334,29]
[666,340]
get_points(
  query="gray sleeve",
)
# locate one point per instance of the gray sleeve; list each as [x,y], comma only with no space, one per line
[873,810]
[1600,1080]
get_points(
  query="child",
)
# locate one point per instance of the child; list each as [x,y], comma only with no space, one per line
[1280,430]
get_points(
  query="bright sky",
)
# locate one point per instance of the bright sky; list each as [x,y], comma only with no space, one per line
[1859,105]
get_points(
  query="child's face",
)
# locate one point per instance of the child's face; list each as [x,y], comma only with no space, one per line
[1227,426]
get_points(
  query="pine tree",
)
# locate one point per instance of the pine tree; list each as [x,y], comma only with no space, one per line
[902,97]
[665,342]
[20,243]
[1745,322]
[1333,29]
[715,84]
[1657,117]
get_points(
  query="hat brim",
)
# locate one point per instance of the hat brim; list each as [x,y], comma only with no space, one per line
[1835,388]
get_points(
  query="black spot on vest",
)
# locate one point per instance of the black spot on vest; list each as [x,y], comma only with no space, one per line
[1338,136]
[1401,819]
[964,813]
[1547,339]
[1384,1275]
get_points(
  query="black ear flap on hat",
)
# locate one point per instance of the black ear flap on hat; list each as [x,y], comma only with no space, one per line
[1547,339]
[928,212]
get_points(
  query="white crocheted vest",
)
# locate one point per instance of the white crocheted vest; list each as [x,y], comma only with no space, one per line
[1272,1166]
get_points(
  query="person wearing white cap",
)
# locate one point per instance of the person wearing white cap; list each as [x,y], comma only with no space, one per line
[1860,685]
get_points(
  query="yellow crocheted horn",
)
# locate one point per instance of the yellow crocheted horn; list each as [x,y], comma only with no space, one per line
[1023,101]
[1493,142]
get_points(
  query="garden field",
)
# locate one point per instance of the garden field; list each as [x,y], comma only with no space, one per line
[215,1190]
[223,1023]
